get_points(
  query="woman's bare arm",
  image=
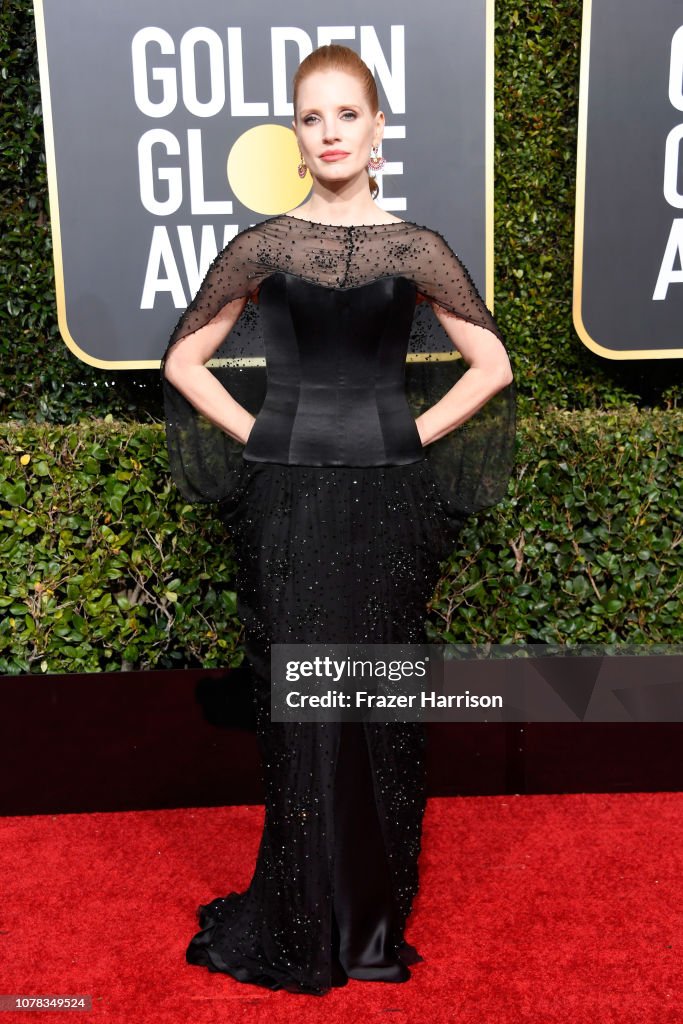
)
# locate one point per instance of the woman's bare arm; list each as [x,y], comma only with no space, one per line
[489,372]
[185,369]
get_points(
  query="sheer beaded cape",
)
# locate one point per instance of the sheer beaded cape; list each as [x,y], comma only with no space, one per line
[472,464]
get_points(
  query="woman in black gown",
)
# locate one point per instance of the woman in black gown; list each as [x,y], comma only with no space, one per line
[339,522]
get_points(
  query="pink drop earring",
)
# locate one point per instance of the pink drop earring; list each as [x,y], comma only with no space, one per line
[376,162]
[302,167]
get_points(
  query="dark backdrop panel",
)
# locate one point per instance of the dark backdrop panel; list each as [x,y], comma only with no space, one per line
[631,101]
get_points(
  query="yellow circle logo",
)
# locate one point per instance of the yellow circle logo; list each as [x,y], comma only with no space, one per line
[262,170]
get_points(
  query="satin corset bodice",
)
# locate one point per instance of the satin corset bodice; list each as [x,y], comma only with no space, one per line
[335,362]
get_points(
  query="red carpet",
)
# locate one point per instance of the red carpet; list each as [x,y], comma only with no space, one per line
[543,909]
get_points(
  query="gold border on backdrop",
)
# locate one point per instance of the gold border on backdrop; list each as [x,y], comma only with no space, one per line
[148,364]
[580,212]
[489,68]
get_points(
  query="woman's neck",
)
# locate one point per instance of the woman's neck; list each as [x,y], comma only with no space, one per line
[324,212]
[356,207]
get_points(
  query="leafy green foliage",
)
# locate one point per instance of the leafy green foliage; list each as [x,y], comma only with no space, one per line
[104,565]
[586,548]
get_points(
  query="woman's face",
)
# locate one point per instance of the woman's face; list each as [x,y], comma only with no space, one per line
[333,115]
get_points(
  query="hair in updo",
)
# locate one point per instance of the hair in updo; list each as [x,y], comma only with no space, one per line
[335,57]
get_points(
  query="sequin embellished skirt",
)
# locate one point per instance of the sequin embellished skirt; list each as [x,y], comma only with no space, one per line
[335,555]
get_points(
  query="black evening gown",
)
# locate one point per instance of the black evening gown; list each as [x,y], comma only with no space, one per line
[339,520]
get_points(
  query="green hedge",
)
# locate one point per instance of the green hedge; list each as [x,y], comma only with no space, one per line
[107,568]
[587,548]
[536,109]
